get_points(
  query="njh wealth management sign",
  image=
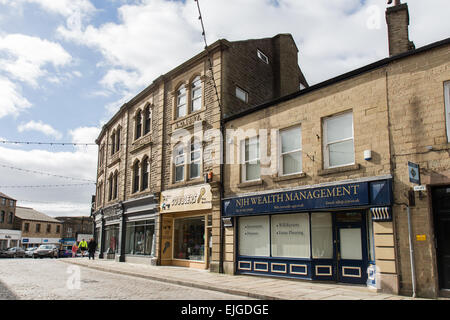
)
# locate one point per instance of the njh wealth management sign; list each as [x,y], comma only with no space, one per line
[186,199]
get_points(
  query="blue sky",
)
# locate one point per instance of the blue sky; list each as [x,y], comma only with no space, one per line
[66,66]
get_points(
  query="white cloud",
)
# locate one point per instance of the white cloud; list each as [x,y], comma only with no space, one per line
[11,100]
[40,127]
[24,57]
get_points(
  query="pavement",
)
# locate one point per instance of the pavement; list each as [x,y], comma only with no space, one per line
[258,287]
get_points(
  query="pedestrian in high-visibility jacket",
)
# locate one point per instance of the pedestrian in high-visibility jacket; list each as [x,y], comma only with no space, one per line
[83,247]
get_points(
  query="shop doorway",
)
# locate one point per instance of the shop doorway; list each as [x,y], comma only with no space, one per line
[351,247]
[441,212]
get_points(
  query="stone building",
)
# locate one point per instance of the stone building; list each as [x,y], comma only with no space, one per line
[74,226]
[37,228]
[158,180]
[317,185]
[8,236]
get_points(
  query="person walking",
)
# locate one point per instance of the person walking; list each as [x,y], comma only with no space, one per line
[74,250]
[92,245]
[83,247]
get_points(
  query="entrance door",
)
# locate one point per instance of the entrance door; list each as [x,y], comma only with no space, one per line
[441,208]
[351,247]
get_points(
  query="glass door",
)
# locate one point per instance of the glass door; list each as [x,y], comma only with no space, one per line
[351,247]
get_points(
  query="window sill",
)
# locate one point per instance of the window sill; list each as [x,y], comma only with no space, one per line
[352,167]
[186,183]
[289,177]
[250,184]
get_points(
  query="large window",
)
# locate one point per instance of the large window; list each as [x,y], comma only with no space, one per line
[291,151]
[322,235]
[196,94]
[290,235]
[111,238]
[447,107]
[338,140]
[181,102]
[140,237]
[250,170]
[179,160]
[145,173]
[136,176]
[189,238]
[254,236]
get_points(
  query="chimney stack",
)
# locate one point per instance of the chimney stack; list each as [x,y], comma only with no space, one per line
[397,18]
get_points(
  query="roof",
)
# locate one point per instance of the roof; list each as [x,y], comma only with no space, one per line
[343,77]
[25,213]
[5,196]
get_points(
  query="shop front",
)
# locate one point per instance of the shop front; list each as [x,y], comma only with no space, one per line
[9,238]
[186,226]
[317,233]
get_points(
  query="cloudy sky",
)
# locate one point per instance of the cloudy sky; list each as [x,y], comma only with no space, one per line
[66,66]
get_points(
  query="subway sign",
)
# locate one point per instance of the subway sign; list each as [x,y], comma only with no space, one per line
[336,196]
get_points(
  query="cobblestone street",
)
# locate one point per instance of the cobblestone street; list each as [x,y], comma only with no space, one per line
[50,279]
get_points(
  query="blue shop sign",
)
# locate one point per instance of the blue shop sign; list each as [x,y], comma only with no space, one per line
[337,196]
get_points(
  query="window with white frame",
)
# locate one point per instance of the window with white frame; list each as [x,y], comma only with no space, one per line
[338,140]
[262,56]
[196,94]
[447,107]
[195,156]
[250,159]
[242,94]
[291,151]
[179,160]
[181,102]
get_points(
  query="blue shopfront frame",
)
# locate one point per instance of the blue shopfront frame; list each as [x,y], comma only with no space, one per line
[357,197]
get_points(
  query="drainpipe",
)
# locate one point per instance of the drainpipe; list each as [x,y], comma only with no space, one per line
[411,252]
[222,160]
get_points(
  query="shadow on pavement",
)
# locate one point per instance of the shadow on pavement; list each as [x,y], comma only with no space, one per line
[6,293]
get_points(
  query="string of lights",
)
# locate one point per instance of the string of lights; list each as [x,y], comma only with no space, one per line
[50,185]
[48,143]
[67,205]
[44,173]
[207,50]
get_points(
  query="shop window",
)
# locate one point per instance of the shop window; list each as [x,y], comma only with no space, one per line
[338,140]
[291,151]
[250,169]
[322,235]
[179,160]
[290,235]
[254,236]
[181,102]
[195,156]
[111,238]
[196,94]
[189,240]
[140,237]
[447,107]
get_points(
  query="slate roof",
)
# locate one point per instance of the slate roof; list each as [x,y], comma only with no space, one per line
[25,213]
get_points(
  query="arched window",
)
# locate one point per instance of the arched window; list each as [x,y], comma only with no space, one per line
[195,160]
[145,173]
[115,183]
[181,102]
[113,143]
[179,160]
[196,94]
[110,187]
[136,177]
[138,124]
[118,139]
[147,119]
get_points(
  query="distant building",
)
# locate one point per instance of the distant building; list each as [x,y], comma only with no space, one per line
[8,237]
[37,228]
[72,227]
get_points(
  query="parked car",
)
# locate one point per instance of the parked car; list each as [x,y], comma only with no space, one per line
[29,252]
[13,253]
[46,250]
[65,251]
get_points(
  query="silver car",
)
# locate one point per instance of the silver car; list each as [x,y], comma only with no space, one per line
[46,250]
[29,252]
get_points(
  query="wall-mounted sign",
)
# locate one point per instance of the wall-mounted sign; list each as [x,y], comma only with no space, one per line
[414,172]
[421,237]
[336,196]
[186,199]
[420,188]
